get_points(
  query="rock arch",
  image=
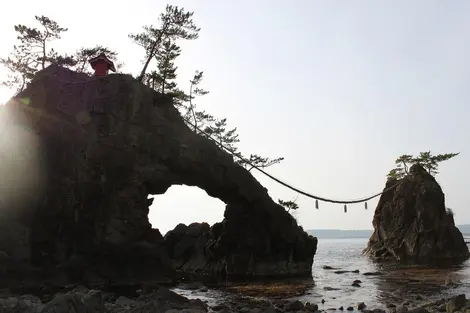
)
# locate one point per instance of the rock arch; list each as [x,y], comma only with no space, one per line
[108,143]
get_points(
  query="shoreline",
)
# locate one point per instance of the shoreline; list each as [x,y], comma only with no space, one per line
[161,299]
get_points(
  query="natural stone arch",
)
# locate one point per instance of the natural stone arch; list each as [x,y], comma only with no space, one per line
[107,144]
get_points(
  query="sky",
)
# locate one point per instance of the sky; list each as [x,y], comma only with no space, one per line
[338,88]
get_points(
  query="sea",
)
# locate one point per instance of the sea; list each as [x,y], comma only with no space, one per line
[396,284]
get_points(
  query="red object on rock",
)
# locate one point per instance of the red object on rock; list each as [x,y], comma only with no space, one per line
[101,64]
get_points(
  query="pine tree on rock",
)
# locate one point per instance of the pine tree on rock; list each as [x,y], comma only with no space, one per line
[163,79]
[20,69]
[200,119]
[425,159]
[160,45]
[225,138]
[258,161]
[33,52]
[175,24]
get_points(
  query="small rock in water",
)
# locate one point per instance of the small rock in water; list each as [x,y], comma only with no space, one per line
[341,308]
[192,286]
[355,272]
[323,301]
[456,303]
[327,267]
[402,309]
[391,305]
[355,284]
[372,274]
[350,308]
[124,301]
[361,306]
[311,307]
[295,306]
[330,288]
[449,282]
[219,307]
[418,297]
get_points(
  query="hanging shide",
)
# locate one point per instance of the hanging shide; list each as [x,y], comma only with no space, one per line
[345,208]
[365,205]
[316,204]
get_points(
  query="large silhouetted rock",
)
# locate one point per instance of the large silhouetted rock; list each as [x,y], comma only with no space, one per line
[411,222]
[89,151]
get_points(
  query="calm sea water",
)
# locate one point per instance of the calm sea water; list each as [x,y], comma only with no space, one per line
[398,284]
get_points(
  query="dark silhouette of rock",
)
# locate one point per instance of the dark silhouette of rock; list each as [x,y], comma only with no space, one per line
[99,147]
[411,222]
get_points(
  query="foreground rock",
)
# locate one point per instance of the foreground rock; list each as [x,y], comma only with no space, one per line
[82,300]
[411,223]
[92,150]
[162,300]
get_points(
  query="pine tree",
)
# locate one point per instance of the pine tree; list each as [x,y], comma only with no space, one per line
[163,79]
[425,159]
[36,42]
[288,205]
[403,161]
[33,52]
[255,160]
[160,45]
[225,137]
[19,67]
[175,24]
[200,119]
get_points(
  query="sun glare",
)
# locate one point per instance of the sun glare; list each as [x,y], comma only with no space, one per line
[5,95]
[20,167]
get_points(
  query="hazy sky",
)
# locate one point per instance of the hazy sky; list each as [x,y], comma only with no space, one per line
[339,88]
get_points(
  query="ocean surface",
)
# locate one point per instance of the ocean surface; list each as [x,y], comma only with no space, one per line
[396,285]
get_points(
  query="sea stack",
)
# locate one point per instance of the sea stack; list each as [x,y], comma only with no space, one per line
[411,223]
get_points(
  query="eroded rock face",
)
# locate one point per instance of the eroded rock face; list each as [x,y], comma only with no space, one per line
[411,222]
[101,146]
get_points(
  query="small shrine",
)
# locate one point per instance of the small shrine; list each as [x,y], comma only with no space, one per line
[102,65]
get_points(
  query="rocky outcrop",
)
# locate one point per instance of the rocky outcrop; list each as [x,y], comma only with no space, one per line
[411,222]
[95,148]
[81,299]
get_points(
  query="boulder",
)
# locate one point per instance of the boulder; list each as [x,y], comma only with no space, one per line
[92,150]
[412,224]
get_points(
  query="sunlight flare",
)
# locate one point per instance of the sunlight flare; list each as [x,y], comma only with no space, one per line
[20,169]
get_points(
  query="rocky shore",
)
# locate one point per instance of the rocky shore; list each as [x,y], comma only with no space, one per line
[86,220]
[160,299]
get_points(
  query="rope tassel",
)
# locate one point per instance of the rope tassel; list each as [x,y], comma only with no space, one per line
[365,205]
[316,204]
[345,208]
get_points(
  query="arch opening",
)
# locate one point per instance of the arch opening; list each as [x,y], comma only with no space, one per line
[183,204]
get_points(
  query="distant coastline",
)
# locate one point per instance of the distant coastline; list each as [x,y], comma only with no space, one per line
[362,233]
